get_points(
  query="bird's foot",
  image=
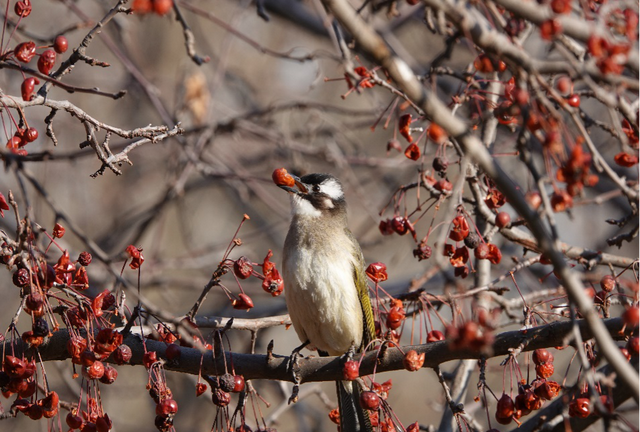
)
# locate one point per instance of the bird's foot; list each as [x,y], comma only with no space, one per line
[293,366]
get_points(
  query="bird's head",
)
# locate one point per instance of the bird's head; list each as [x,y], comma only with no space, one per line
[315,195]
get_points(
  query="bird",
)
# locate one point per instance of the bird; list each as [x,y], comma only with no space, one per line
[325,282]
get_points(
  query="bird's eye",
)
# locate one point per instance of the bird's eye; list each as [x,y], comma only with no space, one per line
[316,188]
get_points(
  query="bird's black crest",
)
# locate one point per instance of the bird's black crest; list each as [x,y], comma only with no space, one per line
[317,178]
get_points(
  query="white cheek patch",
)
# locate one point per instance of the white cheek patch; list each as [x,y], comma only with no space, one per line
[333,189]
[302,207]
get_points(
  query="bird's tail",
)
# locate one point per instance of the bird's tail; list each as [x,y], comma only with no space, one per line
[353,418]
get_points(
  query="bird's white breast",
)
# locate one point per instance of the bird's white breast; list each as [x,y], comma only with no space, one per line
[321,294]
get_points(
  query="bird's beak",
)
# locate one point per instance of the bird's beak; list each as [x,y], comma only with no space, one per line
[298,188]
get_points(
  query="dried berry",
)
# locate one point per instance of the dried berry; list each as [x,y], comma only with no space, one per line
[47,61]
[377,272]
[23,8]
[580,407]
[544,370]
[608,283]
[440,164]
[167,408]
[395,317]
[27,88]
[122,354]
[242,268]
[227,382]
[84,259]
[472,240]
[412,152]
[220,397]
[243,302]
[369,400]
[350,370]
[282,178]
[25,51]
[110,374]
[413,361]
[422,251]
[21,278]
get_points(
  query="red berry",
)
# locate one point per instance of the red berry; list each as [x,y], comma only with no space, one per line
[395,317]
[542,355]
[607,283]
[503,219]
[580,408]
[47,61]
[238,383]
[60,44]
[25,51]
[162,7]
[436,133]
[435,336]
[74,421]
[412,152]
[564,85]
[149,358]
[377,272]
[122,354]
[633,346]
[243,302]
[544,370]
[84,259]
[200,389]
[31,135]
[282,178]
[630,316]
[413,361]
[27,88]
[369,400]
[460,229]
[173,352]
[23,8]
[110,375]
[95,371]
[166,408]
[574,100]
[242,267]
[443,186]
[350,370]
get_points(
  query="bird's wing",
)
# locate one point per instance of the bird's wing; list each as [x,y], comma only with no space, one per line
[360,277]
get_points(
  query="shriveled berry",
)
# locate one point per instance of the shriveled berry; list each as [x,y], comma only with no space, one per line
[481,251]
[74,421]
[413,361]
[440,164]
[580,407]
[395,317]
[163,424]
[25,51]
[21,278]
[377,272]
[40,327]
[47,61]
[370,400]
[544,370]
[350,370]
[31,135]
[110,374]
[282,178]
[423,251]
[200,389]
[84,259]
[95,371]
[220,397]
[122,354]
[608,283]
[227,382]
[472,240]
[166,408]
[242,268]
[633,346]
[399,225]
[23,8]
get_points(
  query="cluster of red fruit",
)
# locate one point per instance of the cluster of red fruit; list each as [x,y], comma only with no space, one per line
[372,401]
[272,282]
[434,132]
[530,396]
[159,7]
[23,53]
